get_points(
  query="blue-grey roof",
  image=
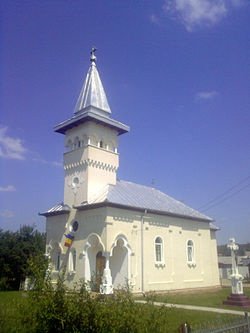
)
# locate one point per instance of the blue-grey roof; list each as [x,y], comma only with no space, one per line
[57,210]
[92,92]
[143,197]
[92,104]
[91,113]
[213,227]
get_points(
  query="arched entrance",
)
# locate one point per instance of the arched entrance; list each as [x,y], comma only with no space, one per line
[119,262]
[100,265]
[94,261]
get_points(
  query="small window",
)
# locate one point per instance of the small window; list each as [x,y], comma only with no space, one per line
[158,249]
[190,251]
[58,259]
[74,260]
[101,144]
[74,226]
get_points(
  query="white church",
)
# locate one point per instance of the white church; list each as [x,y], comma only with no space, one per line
[110,232]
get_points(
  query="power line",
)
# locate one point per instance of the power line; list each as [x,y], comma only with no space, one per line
[224,193]
[224,199]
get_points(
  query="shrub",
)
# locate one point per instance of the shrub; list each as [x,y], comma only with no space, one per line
[57,309]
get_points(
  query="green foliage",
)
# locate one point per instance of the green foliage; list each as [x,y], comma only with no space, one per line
[15,249]
[56,309]
[53,308]
[225,251]
[17,315]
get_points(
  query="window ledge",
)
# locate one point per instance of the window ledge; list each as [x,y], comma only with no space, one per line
[71,273]
[159,264]
[191,264]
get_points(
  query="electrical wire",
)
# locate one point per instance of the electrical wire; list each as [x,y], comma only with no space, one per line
[220,196]
[226,198]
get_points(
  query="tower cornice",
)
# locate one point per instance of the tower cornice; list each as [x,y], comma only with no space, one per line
[94,115]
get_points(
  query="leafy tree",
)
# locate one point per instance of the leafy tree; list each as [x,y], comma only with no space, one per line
[15,250]
[225,251]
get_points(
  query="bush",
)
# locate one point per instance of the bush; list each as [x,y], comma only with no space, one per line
[61,310]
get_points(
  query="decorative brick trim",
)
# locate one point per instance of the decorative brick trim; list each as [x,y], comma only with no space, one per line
[91,163]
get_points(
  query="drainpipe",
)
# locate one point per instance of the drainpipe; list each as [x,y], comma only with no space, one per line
[142,252]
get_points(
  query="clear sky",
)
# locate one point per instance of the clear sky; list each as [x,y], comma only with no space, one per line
[175,71]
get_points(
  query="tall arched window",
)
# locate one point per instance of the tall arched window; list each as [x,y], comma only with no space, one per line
[190,251]
[58,259]
[158,249]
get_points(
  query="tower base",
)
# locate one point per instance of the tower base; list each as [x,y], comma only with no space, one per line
[237,300]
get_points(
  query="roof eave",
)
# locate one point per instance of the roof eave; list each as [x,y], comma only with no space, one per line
[88,115]
[46,214]
[139,209]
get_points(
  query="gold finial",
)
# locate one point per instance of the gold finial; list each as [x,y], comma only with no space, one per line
[92,52]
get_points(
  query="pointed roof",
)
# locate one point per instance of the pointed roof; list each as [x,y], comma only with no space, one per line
[92,104]
[92,93]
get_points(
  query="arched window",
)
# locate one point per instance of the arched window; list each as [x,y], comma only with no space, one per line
[93,140]
[190,251]
[103,143]
[158,249]
[77,143]
[69,146]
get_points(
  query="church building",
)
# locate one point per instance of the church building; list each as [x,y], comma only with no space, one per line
[111,232]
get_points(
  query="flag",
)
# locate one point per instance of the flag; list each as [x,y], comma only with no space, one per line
[69,240]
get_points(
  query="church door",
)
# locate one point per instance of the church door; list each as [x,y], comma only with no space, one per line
[100,265]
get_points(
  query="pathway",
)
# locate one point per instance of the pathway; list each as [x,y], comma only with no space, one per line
[198,308]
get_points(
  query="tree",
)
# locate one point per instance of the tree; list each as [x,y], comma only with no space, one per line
[15,250]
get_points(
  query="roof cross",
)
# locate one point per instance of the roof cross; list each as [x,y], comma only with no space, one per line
[92,52]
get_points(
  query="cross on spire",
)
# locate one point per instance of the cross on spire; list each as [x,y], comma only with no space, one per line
[92,52]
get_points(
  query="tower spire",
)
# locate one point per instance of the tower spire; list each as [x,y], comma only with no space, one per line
[92,94]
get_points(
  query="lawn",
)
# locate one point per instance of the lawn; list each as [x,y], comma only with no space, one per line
[210,299]
[12,304]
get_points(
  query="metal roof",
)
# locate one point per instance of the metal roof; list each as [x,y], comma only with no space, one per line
[92,93]
[133,195]
[57,210]
[214,227]
[92,104]
[91,113]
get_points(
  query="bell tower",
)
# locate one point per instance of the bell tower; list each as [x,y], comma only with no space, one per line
[91,155]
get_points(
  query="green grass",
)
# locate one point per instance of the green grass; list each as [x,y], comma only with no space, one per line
[209,299]
[12,304]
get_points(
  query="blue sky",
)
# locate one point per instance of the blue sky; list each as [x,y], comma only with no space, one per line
[175,71]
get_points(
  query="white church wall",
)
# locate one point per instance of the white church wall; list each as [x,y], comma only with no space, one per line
[107,224]
[174,272]
[89,167]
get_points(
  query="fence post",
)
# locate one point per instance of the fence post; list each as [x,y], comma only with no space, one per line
[247,322]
